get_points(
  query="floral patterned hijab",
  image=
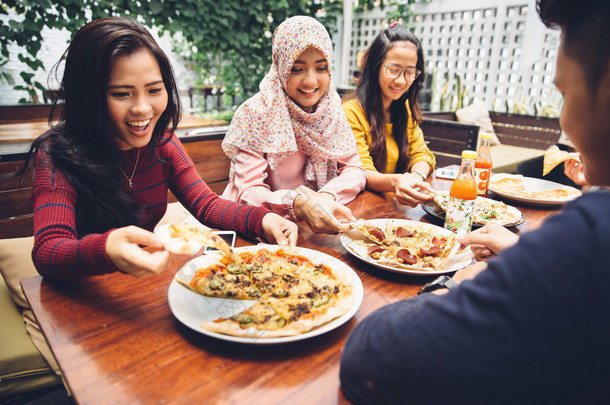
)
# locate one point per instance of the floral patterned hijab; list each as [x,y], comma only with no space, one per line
[271,123]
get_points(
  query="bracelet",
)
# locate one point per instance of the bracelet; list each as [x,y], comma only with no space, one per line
[423,176]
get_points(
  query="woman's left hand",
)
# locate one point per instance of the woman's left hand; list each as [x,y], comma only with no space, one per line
[280,230]
[411,190]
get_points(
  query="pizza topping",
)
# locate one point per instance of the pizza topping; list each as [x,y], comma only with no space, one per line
[403,232]
[242,318]
[281,293]
[439,241]
[406,256]
[235,268]
[377,233]
[254,292]
[375,251]
[216,284]
[433,250]
[322,299]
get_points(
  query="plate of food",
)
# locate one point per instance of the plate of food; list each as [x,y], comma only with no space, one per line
[486,211]
[405,246]
[267,294]
[531,190]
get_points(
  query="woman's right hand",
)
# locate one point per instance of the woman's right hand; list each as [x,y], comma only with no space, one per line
[489,240]
[574,169]
[322,213]
[123,246]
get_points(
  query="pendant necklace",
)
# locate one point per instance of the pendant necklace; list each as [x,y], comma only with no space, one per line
[133,172]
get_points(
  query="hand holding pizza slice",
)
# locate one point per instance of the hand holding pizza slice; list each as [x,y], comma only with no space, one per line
[553,157]
[188,238]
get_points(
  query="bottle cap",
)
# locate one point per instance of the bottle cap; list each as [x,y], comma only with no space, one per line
[469,154]
[485,136]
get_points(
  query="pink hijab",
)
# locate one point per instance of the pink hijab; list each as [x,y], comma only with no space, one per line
[271,123]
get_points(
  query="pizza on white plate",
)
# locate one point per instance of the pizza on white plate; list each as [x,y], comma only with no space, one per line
[514,185]
[294,294]
[486,210]
[413,246]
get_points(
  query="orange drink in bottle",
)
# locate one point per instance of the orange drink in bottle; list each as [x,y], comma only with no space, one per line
[482,165]
[462,196]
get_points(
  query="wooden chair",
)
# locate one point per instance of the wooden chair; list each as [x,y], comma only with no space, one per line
[447,139]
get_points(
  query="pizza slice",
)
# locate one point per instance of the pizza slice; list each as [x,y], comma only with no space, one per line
[305,314]
[188,238]
[371,231]
[260,320]
[552,158]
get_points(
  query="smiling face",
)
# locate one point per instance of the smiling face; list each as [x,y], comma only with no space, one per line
[403,54]
[136,98]
[584,116]
[309,78]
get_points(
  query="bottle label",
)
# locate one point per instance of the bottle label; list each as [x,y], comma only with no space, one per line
[482,179]
[458,218]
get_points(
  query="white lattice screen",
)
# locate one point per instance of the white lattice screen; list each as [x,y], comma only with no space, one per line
[501,51]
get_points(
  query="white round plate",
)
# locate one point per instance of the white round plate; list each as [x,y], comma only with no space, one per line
[457,262]
[534,184]
[192,309]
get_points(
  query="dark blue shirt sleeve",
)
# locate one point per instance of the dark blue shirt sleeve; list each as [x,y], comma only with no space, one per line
[533,328]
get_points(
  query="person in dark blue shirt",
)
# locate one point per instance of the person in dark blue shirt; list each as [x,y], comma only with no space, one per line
[532,323]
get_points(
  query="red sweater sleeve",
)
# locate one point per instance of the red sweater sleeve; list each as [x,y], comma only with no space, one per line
[57,252]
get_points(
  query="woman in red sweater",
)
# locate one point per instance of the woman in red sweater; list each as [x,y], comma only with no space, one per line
[102,173]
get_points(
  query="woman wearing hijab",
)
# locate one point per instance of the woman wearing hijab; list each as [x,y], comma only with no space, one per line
[291,147]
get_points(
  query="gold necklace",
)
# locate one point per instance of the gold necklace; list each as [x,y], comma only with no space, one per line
[133,172]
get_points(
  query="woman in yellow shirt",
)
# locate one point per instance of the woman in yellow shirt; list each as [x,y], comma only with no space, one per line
[384,117]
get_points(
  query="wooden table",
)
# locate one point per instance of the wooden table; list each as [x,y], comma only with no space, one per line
[116,340]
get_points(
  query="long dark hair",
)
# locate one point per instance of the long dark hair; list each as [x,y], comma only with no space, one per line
[369,95]
[83,144]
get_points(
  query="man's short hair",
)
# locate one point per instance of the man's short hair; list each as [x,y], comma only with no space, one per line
[585,26]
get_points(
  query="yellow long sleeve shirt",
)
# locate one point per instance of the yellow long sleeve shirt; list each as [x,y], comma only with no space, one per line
[418,151]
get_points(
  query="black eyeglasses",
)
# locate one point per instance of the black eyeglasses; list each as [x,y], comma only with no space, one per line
[394,71]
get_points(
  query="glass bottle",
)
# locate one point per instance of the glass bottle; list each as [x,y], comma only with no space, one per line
[462,196]
[483,164]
